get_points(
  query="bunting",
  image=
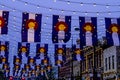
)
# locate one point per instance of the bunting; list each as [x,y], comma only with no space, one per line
[31,62]
[4,48]
[27,67]
[7,72]
[41,51]
[23,49]
[4,59]
[77,55]
[42,71]
[17,60]
[16,69]
[60,52]
[113,31]
[88,31]
[49,68]
[37,67]
[4,54]
[4,15]
[5,66]
[31,27]
[61,30]
[45,61]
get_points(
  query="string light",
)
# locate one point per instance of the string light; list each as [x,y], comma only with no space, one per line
[109,13]
[46,17]
[94,4]
[50,9]
[107,6]
[101,21]
[68,2]
[74,12]
[86,13]
[38,6]
[75,2]
[45,24]
[3,6]
[26,3]
[13,0]
[97,13]
[54,0]
[14,10]
[81,4]
[62,11]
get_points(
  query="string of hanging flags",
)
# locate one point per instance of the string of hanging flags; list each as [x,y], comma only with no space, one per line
[26,65]
[61,28]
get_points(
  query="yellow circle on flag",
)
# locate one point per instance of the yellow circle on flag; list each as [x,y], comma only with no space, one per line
[31,25]
[88,28]
[60,51]
[27,67]
[42,50]
[31,60]
[38,67]
[114,29]
[77,51]
[45,61]
[48,67]
[17,60]
[61,27]
[24,49]
[33,71]
[58,61]
[7,70]
[23,71]
[5,66]
[4,59]
[16,66]
[0,22]
[2,48]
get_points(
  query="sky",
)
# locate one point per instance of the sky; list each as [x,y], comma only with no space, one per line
[73,8]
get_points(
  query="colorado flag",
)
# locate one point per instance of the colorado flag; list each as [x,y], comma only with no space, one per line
[31,27]
[88,31]
[60,53]
[4,48]
[41,51]
[61,29]
[4,22]
[77,55]
[113,31]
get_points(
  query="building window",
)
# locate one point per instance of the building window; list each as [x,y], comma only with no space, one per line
[109,63]
[113,64]
[106,64]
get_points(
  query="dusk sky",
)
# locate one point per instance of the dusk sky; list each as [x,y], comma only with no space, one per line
[48,8]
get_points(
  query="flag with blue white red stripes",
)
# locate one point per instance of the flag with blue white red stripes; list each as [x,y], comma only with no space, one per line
[112,31]
[61,30]
[4,15]
[88,31]
[31,27]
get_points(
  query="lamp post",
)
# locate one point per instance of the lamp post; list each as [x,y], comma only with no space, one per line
[72,61]
[80,70]
[72,76]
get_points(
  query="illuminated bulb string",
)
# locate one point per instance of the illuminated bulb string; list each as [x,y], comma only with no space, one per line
[74,12]
[50,9]
[94,4]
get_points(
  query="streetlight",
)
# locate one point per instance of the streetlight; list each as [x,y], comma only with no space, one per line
[72,76]
[80,70]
